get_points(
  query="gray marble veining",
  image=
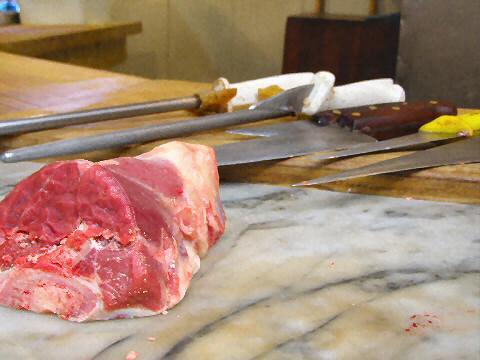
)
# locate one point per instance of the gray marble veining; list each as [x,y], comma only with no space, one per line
[300,273]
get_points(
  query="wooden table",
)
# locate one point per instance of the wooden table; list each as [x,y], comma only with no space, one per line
[97,46]
[33,86]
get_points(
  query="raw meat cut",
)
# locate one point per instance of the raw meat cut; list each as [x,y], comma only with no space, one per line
[114,239]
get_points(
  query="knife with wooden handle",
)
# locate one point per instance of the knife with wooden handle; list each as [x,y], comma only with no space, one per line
[467,151]
[380,121]
[387,121]
[327,131]
[458,127]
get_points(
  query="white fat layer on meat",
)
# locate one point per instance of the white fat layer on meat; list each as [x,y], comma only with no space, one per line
[42,276]
[82,226]
[195,198]
[99,312]
[96,245]
[126,313]
[193,256]
[3,277]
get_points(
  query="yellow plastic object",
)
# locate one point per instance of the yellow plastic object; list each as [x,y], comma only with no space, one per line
[466,124]
[473,120]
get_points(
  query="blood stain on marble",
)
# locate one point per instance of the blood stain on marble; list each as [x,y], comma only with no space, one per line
[421,321]
[131,355]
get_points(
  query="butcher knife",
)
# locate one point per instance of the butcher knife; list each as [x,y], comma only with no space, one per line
[466,125]
[287,103]
[428,133]
[329,131]
[458,152]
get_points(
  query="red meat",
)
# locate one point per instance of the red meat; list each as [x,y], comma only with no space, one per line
[114,239]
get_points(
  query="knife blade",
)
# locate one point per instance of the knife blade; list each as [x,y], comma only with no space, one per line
[285,104]
[286,146]
[459,152]
[304,137]
[386,145]
[442,128]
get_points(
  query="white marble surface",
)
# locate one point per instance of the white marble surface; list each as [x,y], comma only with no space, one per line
[301,274]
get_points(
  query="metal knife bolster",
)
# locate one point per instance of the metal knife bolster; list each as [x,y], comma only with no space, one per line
[386,121]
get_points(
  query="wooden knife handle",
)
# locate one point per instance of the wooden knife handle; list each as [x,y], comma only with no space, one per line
[385,121]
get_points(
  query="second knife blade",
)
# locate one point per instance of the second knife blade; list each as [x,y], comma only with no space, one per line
[286,146]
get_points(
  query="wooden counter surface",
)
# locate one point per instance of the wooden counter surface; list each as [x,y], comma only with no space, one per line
[97,46]
[32,87]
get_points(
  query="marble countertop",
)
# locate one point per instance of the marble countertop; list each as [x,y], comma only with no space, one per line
[300,273]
